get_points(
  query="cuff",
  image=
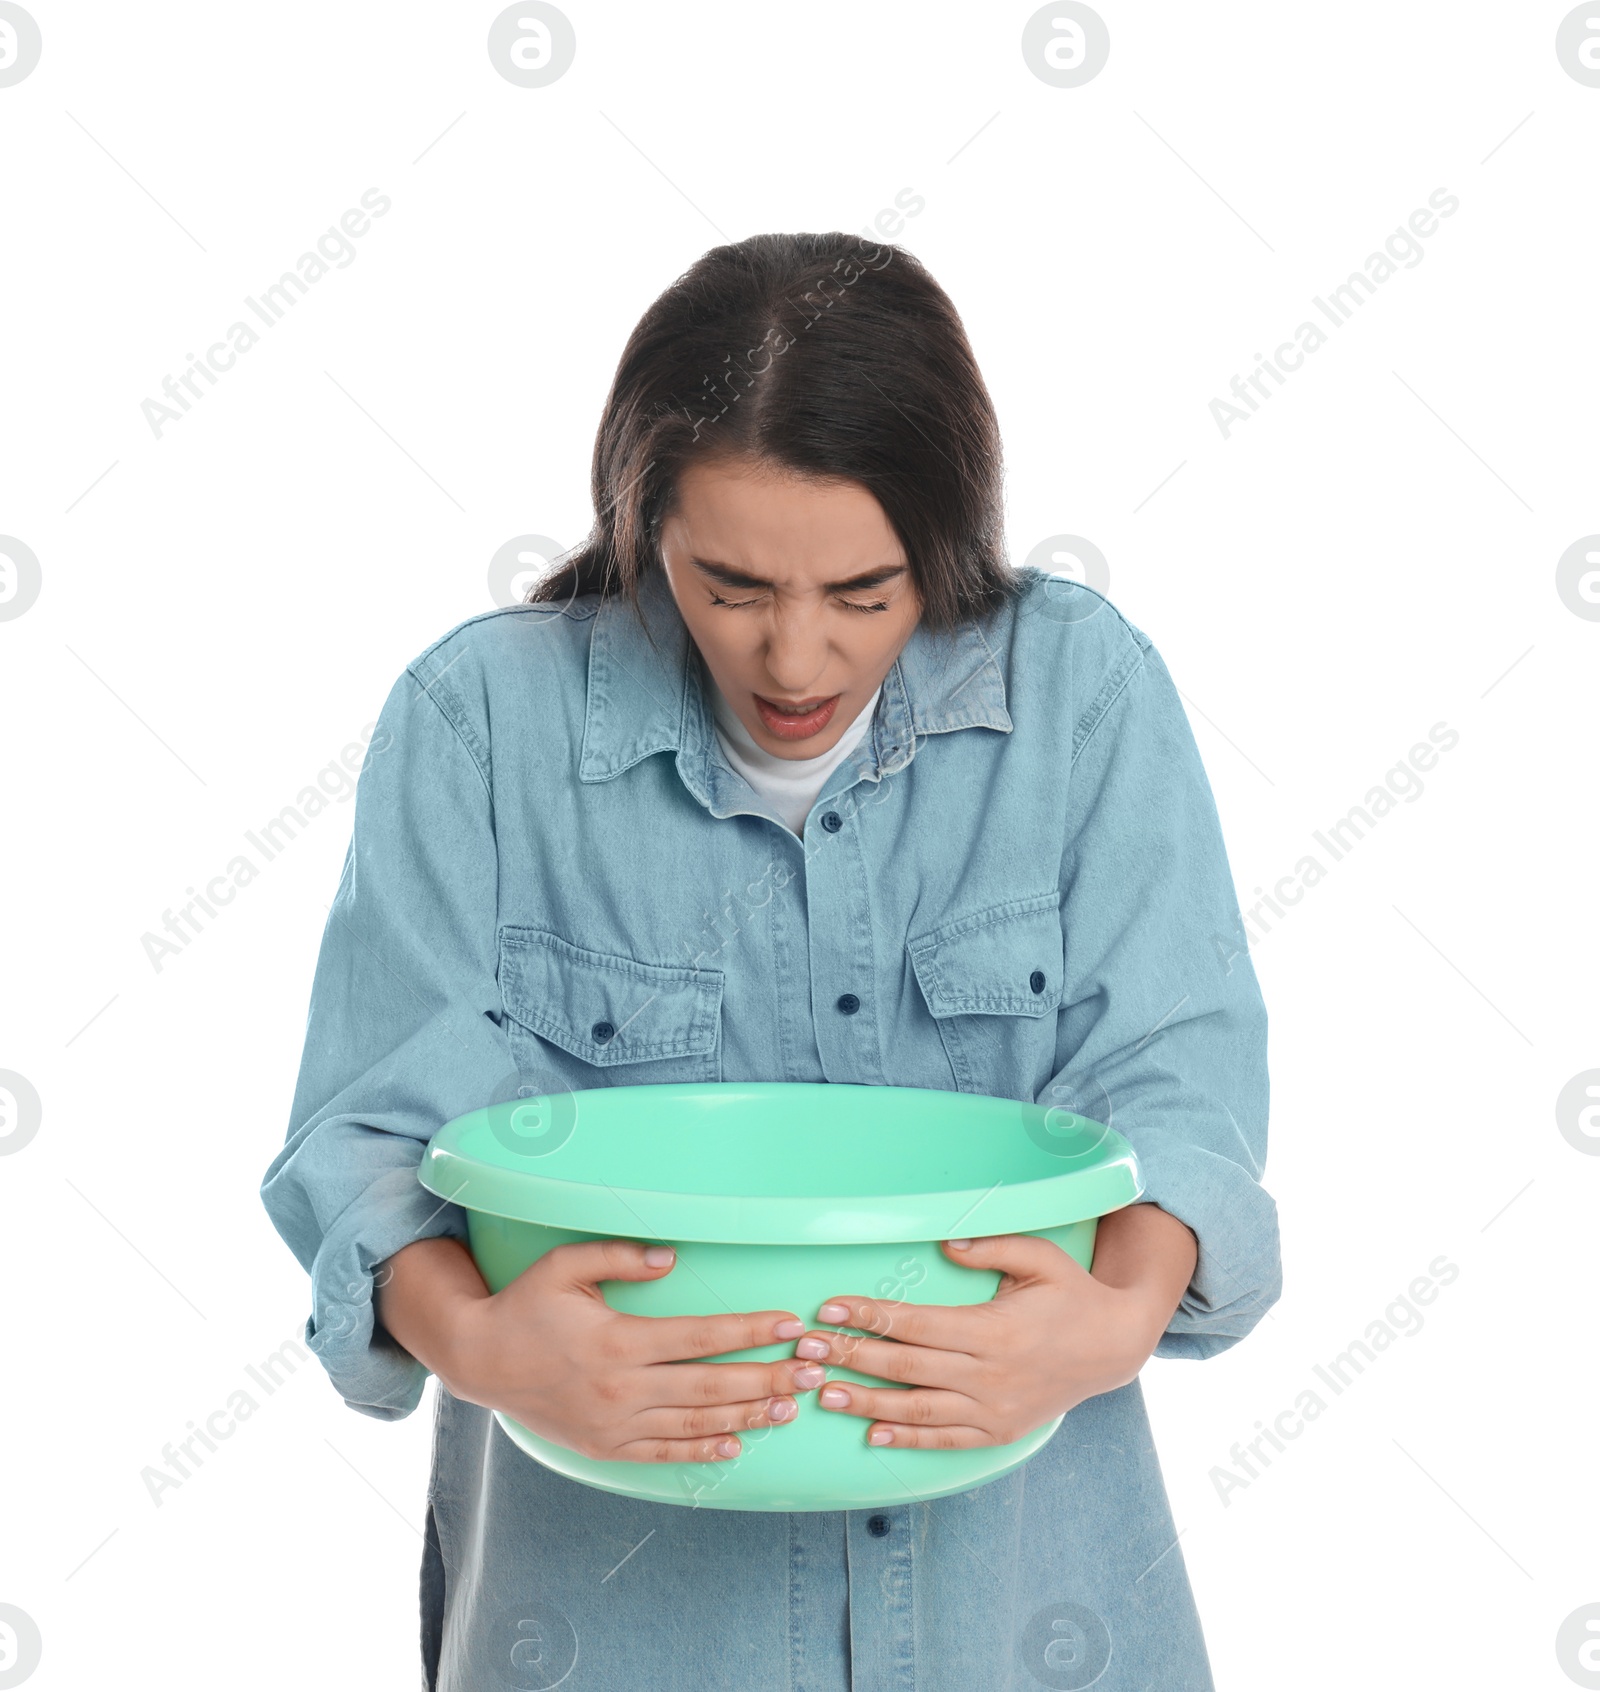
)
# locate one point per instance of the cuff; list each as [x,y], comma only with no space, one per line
[368,1369]
[1238,1275]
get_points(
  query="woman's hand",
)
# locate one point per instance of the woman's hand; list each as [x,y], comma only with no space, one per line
[552,1354]
[1052,1336]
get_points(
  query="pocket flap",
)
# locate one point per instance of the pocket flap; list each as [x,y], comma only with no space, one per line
[1004,960]
[603,1007]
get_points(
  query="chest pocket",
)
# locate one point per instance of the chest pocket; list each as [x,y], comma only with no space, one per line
[602,1019]
[992,981]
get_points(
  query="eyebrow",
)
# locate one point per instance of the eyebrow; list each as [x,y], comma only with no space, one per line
[729,577]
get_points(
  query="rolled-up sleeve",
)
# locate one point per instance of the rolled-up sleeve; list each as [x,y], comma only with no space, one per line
[1163,1031]
[404,1031]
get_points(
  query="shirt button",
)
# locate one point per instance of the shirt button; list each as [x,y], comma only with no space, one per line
[1036,981]
[848,1003]
[832,821]
[602,1031]
[877,1526]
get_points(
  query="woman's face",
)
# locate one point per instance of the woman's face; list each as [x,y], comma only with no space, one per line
[779,579]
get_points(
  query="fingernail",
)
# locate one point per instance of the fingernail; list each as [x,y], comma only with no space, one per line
[879,1436]
[810,1377]
[831,1312]
[811,1348]
[959,1245]
[789,1328]
[782,1409]
[835,1397]
[727,1448]
[658,1257]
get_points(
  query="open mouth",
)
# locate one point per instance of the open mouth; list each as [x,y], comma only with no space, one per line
[790,724]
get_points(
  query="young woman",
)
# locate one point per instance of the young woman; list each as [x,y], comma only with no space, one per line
[786,775]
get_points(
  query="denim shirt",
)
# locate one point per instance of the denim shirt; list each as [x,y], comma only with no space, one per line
[547,839]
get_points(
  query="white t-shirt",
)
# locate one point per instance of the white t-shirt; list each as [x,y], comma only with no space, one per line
[789,785]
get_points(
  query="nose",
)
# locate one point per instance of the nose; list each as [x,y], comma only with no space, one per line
[797,652]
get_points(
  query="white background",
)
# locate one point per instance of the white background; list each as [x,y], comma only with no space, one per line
[223,608]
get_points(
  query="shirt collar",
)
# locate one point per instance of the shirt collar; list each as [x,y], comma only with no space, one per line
[644,699]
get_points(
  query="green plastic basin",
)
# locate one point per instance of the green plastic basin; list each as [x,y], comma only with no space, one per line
[778,1195]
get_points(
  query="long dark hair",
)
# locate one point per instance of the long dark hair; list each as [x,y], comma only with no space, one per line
[817,355]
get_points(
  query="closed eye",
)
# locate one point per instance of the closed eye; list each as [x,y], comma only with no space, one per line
[849,604]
